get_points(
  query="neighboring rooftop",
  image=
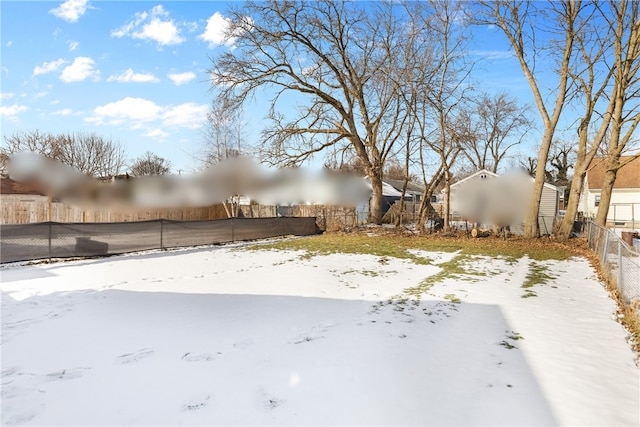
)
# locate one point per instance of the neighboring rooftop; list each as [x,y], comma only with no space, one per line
[628,176]
[411,187]
[9,186]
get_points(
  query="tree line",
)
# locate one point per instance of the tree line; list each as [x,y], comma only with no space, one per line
[377,81]
[89,153]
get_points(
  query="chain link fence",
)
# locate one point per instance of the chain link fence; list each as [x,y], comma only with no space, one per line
[618,259]
[23,242]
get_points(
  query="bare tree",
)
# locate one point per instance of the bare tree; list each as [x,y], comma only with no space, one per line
[533,30]
[494,125]
[592,86]
[335,60]
[561,160]
[436,94]
[397,170]
[224,136]
[89,153]
[150,164]
[530,165]
[624,17]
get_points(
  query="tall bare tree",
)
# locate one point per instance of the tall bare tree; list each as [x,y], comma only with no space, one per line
[224,137]
[89,153]
[435,93]
[333,59]
[624,17]
[593,73]
[533,30]
[494,125]
[150,164]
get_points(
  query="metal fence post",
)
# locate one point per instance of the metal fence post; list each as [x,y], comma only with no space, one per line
[49,241]
[620,266]
[604,248]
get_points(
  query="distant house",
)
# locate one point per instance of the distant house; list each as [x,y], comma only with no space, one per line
[15,191]
[413,191]
[625,198]
[485,179]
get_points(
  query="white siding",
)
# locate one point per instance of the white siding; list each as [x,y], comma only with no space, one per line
[549,202]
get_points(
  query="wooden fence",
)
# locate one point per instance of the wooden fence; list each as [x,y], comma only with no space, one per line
[32,209]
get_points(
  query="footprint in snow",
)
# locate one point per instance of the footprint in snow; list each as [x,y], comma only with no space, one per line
[135,357]
[269,401]
[243,344]
[22,398]
[196,404]
[198,357]
[315,333]
[67,374]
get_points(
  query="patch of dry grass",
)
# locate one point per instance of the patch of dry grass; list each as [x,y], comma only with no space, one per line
[384,242]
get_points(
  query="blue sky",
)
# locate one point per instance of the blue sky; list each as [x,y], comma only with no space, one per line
[135,71]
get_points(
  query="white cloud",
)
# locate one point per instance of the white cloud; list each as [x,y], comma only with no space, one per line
[10,111]
[128,110]
[9,43]
[70,10]
[80,69]
[188,115]
[181,78]
[129,76]
[6,95]
[41,94]
[493,54]
[140,112]
[156,134]
[48,67]
[151,25]
[73,45]
[214,33]
[63,112]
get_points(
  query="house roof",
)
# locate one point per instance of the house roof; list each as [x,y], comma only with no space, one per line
[411,187]
[9,186]
[628,176]
[472,176]
[387,189]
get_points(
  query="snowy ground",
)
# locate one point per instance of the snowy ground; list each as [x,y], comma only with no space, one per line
[231,336]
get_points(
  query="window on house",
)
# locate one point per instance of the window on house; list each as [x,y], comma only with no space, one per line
[597,201]
[434,199]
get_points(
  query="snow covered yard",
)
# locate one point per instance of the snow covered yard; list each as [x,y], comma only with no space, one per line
[227,335]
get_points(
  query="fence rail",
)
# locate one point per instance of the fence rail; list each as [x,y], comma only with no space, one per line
[619,260]
[24,242]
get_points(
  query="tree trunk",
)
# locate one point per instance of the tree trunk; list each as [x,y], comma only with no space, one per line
[446,227]
[564,232]
[375,209]
[612,165]
[531,228]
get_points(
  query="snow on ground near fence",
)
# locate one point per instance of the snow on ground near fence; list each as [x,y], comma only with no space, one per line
[232,336]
